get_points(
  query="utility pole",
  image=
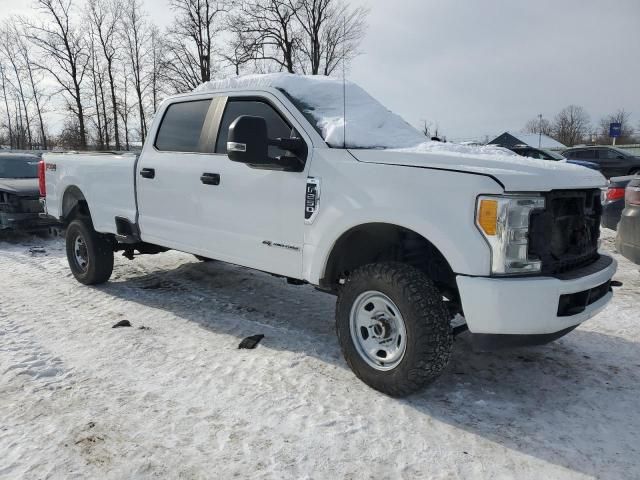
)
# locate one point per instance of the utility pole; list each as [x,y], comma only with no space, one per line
[539,130]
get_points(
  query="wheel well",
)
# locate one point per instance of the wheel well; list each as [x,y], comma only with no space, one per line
[73,204]
[383,242]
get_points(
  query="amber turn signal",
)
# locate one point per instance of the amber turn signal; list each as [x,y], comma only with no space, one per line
[488,216]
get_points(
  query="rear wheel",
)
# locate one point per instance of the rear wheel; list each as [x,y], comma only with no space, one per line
[89,253]
[393,327]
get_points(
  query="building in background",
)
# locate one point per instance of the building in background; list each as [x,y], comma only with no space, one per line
[511,139]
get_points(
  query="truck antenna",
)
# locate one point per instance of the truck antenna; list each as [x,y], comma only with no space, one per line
[344,85]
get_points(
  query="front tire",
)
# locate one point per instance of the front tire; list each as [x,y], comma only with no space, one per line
[393,327]
[89,253]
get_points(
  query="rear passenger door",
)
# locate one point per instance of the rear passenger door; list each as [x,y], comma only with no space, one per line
[613,162]
[586,155]
[169,189]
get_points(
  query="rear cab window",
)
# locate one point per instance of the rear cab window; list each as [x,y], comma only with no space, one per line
[181,129]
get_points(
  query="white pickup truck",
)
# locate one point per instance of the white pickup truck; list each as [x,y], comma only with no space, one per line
[259,171]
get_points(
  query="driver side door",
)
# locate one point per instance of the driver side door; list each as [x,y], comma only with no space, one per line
[254,216]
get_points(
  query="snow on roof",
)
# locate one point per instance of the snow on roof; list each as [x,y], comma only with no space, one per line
[369,123]
[532,139]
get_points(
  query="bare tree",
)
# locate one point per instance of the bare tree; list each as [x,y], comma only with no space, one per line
[190,46]
[156,59]
[65,54]
[266,30]
[538,125]
[136,36]
[571,125]
[125,107]
[9,39]
[624,119]
[105,16]
[426,128]
[241,47]
[96,80]
[34,76]
[332,33]
[342,36]
[3,82]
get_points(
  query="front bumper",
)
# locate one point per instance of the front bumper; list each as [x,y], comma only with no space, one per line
[531,305]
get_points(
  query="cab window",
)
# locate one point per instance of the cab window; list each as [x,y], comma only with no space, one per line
[181,127]
[277,127]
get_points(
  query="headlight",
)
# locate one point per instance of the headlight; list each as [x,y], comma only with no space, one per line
[504,222]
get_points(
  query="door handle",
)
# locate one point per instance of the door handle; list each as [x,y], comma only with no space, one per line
[210,178]
[148,172]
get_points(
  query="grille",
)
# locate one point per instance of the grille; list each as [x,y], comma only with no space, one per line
[564,236]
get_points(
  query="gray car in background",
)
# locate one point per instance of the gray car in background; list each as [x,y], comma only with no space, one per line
[20,206]
[614,162]
[628,240]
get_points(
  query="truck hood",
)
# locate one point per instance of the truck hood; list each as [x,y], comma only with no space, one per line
[514,173]
[23,187]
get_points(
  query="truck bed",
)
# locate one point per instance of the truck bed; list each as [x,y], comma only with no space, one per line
[106,180]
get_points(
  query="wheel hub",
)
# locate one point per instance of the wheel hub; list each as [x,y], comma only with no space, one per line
[378,330]
[81,253]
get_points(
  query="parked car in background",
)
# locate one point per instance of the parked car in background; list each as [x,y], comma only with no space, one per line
[20,206]
[613,162]
[628,240]
[613,202]
[531,152]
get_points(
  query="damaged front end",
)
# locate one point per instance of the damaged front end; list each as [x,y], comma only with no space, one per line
[22,213]
[564,236]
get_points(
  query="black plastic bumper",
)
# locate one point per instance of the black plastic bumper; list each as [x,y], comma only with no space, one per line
[26,222]
[487,341]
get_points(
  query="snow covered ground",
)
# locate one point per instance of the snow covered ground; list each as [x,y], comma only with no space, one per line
[177,399]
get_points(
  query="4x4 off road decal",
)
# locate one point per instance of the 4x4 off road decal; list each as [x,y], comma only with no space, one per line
[269,243]
[312,199]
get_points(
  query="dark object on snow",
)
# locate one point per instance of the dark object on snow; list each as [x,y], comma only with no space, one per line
[122,323]
[251,342]
[616,283]
[37,250]
[144,328]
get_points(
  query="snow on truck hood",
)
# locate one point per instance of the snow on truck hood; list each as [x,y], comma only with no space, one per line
[517,174]
[376,134]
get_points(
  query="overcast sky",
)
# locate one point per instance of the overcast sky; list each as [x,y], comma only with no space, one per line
[481,67]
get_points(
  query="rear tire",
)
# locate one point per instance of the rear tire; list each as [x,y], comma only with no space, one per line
[377,306]
[89,253]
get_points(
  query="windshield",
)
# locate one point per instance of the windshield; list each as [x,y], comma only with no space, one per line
[620,151]
[326,101]
[554,155]
[18,167]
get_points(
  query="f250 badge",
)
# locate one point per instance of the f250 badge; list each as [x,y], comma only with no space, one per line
[312,200]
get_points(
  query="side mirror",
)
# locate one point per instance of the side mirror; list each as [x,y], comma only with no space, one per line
[247,141]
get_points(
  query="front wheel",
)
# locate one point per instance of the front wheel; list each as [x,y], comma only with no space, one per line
[89,253]
[393,327]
